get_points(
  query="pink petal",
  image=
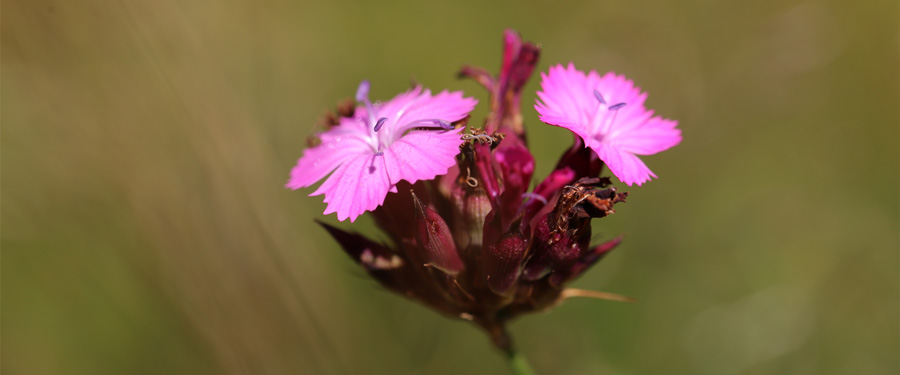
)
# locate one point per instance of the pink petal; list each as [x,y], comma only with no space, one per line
[357,186]
[338,145]
[625,165]
[400,102]
[567,99]
[655,135]
[422,155]
[449,106]
[618,89]
[362,178]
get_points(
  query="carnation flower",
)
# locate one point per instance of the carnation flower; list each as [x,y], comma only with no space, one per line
[476,243]
[608,114]
[410,137]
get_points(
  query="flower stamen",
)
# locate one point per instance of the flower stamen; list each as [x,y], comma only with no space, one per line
[428,123]
[615,108]
[599,97]
[380,123]
[372,164]
[605,122]
[362,95]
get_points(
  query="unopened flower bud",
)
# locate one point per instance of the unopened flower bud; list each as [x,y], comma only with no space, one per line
[585,262]
[539,264]
[556,247]
[435,240]
[502,261]
[517,166]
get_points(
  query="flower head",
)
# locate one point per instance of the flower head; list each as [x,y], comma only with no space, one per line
[410,137]
[477,243]
[608,113]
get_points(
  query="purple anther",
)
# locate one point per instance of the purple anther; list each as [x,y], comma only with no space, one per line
[444,124]
[380,123]
[362,93]
[616,106]
[599,97]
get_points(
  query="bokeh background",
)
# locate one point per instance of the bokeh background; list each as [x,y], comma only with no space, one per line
[146,230]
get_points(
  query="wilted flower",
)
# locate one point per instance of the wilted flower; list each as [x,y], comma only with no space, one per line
[410,137]
[608,114]
[474,243]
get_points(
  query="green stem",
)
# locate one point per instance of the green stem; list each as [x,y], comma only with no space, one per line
[501,339]
[518,364]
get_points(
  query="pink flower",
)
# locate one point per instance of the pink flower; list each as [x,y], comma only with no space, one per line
[407,138]
[608,113]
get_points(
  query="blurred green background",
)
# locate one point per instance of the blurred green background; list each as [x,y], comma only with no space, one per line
[146,230]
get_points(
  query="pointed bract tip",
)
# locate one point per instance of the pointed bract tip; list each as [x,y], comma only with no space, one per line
[511,35]
[594,294]
[420,208]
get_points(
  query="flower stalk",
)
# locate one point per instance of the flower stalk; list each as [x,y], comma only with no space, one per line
[518,364]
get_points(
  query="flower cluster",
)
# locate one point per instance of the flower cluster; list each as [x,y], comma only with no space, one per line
[468,237]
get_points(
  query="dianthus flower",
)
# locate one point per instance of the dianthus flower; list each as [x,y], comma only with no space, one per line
[466,235]
[608,114]
[410,137]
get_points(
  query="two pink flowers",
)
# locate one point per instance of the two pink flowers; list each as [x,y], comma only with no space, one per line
[413,137]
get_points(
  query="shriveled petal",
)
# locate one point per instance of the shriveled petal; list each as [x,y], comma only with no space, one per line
[357,186]
[338,145]
[422,155]
[625,165]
